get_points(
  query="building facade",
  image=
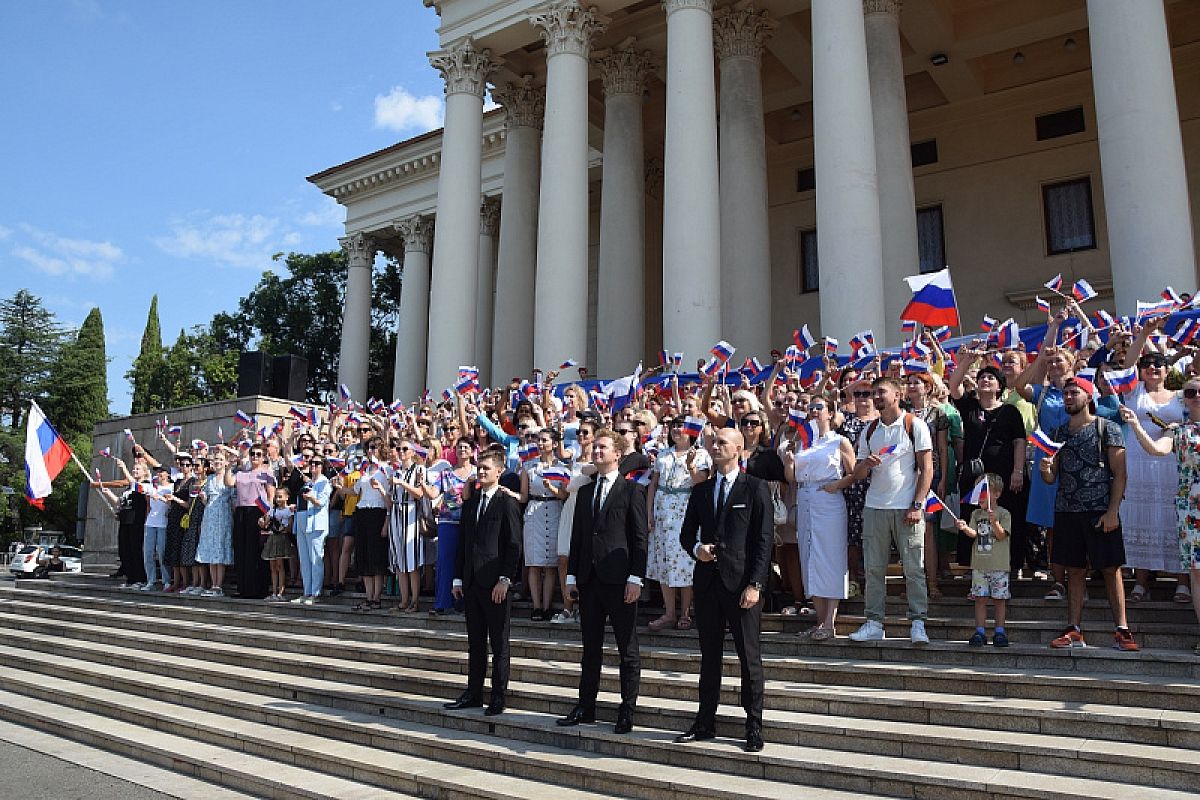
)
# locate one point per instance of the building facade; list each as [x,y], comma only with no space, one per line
[659,174]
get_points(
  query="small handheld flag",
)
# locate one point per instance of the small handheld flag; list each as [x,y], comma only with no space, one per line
[556,475]
[262,505]
[807,433]
[344,392]
[243,419]
[887,451]
[980,495]
[831,345]
[693,426]
[1055,283]
[803,338]
[723,350]
[1122,381]
[105,452]
[1042,442]
[570,362]
[129,435]
[1043,305]
[1083,291]
[933,504]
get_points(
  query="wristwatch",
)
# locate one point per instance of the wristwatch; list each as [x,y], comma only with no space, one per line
[916,505]
[505,580]
[756,586]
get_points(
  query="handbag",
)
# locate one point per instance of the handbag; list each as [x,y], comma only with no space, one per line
[426,521]
[185,521]
[975,467]
[779,509]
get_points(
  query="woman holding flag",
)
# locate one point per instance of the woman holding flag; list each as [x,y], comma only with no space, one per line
[405,553]
[254,492]
[677,469]
[448,493]
[543,490]
[1184,441]
[820,469]
[215,547]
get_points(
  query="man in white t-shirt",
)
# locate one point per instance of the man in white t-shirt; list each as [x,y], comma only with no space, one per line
[897,451]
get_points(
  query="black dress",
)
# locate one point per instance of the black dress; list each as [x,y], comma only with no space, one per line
[131,519]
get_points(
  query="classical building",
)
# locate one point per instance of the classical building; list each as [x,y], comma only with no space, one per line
[659,174]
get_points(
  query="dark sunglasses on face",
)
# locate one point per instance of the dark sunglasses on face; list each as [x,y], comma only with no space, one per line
[817,407]
[256,454]
[861,395]
[750,423]
[624,431]
[1146,362]
[1191,394]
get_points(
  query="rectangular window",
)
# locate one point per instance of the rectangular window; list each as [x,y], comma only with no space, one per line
[810,275]
[1070,225]
[924,153]
[1060,123]
[931,241]
[806,179]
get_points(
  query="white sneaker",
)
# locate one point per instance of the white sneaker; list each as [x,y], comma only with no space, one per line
[919,636]
[562,618]
[146,587]
[296,600]
[308,601]
[871,631]
[209,593]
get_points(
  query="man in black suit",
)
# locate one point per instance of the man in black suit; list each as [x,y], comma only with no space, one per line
[606,567]
[489,552]
[727,528]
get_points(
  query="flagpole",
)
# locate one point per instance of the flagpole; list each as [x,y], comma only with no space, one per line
[88,475]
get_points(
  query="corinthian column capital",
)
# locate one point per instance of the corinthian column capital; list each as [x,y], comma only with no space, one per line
[524,104]
[489,216]
[359,249]
[671,6]
[889,7]
[464,69]
[417,232]
[742,33]
[568,27]
[624,69]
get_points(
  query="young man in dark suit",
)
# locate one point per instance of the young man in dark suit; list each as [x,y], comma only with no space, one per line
[606,567]
[489,552]
[727,528]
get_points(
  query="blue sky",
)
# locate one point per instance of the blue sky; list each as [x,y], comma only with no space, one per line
[159,146]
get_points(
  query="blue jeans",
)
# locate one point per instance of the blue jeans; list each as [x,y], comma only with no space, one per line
[447,561]
[154,547]
[311,547]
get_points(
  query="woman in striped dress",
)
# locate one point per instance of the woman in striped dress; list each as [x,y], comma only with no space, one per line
[405,550]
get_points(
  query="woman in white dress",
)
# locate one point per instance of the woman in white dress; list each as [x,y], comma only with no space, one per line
[1148,519]
[543,512]
[406,553]
[820,472]
[678,468]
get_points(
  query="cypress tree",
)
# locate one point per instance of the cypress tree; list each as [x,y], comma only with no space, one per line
[147,367]
[78,386]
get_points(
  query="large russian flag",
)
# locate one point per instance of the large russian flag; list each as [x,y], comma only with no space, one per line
[933,302]
[46,453]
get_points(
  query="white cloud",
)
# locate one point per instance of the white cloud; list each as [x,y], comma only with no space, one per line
[237,240]
[399,110]
[58,255]
[5,233]
[330,214]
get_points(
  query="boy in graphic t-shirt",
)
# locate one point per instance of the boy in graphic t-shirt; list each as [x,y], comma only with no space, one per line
[989,529]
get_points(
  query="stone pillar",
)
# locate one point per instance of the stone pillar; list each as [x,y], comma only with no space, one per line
[356,313]
[691,210]
[621,305]
[561,297]
[848,232]
[489,221]
[455,241]
[740,34]
[1141,151]
[893,160]
[413,327]
[517,257]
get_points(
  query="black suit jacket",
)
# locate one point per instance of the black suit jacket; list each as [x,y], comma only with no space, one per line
[491,547]
[744,533]
[614,542]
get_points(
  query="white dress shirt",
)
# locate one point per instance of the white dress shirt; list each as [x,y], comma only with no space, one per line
[609,478]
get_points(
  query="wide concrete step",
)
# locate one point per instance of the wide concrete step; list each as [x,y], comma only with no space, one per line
[383,642]
[797,712]
[226,767]
[1118,767]
[440,762]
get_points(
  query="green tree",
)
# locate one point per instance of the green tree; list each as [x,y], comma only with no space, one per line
[30,339]
[78,382]
[146,372]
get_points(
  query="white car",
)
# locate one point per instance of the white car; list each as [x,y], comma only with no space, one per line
[30,560]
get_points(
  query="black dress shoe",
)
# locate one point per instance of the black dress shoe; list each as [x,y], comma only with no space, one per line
[494,708]
[696,733]
[578,714]
[754,741]
[467,700]
[624,721]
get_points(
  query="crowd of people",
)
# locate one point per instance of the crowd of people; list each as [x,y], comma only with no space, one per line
[1074,456]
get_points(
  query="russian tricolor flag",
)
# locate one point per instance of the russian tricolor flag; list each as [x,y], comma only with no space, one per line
[803,338]
[664,359]
[723,350]
[243,419]
[988,324]
[1122,381]
[807,433]
[1083,291]
[46,453]
[1156,309]
[556,475]
[1008,335]
[942,333]
[980,495]
[1043,305]
[933,300]
[693,426]
[1055,283]
[933,504]
[1042,442]
[262,505]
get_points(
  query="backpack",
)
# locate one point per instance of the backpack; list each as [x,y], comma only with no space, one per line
[908,428]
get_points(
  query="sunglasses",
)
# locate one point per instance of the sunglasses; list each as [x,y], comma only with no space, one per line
[624,431]
[404,449]
[1147,363]
[256,454]
[750,423]
[861,395]
[817,407]
[1191,394]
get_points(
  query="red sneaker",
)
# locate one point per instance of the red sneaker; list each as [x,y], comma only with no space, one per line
[1123,640]
[1071,637]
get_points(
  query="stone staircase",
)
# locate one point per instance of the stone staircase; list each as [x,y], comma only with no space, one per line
[287,701]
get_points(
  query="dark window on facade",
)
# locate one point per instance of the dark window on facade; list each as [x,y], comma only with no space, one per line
[924,153]
[931,241]
[1060,123]
[806,179]
[1070,225]
[810,275]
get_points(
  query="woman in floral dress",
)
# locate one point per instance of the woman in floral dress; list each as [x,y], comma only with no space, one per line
[1184,441]
[216,528]
[856,493]
[676,470]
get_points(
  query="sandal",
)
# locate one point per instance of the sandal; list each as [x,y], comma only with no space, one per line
[1138,594]
[788,611]
[363,606]
[805,611]
[1183,594]
[821,634]
[662,622]
[1057,592]
[375,606]
[684,624]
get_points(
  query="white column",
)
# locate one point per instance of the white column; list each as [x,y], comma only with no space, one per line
[740,34]
[562,244]
[489,221]
[456,240]
[691,210]
[517,256]
[848,236]
[621,306]
[413,328]
[1141,151]
[893,160]
[356,313]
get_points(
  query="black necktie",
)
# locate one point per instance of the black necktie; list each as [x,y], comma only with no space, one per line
[483,501]
[720,495]
[599,498]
